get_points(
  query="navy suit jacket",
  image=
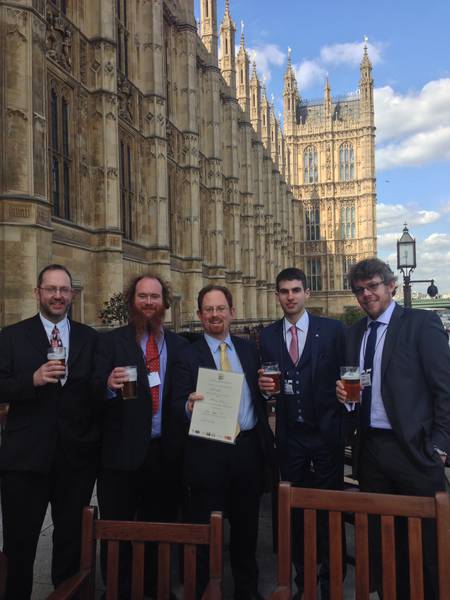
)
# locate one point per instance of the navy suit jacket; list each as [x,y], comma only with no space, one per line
[41,418]
[415,380]
[126,424]
[327,355]
[198,355]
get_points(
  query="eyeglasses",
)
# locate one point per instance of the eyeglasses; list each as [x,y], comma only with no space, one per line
[210,310]
[370,287]
[52,290]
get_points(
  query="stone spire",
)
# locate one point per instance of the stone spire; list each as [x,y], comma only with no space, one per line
[290,97]
[327,98]
[255,101]
[208,17]
[227,41]
[243,69]
[366,83]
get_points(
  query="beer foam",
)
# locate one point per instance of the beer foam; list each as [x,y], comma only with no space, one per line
[350,376]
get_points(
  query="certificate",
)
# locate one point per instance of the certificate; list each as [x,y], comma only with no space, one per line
[216,416]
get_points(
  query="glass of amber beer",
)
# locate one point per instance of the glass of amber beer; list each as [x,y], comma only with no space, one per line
[129,386]
[272,370]
[352,385]
[57,353]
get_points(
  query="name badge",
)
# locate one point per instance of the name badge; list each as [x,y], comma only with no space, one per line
[153,379]
[365,378]
[288,388]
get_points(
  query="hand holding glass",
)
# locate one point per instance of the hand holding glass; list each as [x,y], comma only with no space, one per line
[129,386]
[272,370]
[352,384]
[58,353]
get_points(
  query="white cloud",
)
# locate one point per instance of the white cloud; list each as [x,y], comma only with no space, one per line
[413,129]
[265,57]
[386,240]
[393,216]
[308,73]
[399,115]
[350,53]
[419,149]
[437,241]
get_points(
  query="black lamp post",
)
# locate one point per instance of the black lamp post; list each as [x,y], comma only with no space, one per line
[406,263]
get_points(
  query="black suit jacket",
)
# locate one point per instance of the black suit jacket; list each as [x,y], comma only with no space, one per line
[415,380]
[199,355]
[327,355]
[126,424]
[40,417]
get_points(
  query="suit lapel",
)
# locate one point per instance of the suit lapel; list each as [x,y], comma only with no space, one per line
[314,339]
[76,342]
[38,337]
[391,335]
[354,341]
[205,355]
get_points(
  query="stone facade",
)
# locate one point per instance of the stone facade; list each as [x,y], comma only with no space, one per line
[126,145]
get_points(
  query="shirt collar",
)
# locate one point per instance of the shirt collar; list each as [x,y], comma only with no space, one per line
[50,325]
[301,324]
[214,343]
[385,317]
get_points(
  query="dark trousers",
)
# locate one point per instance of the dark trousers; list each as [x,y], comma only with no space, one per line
[25,496]
[228,478]
[309,462]
[148,493]
[386,467]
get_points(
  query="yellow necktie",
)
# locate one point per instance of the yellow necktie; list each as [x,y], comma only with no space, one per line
[225,366]
[224,362]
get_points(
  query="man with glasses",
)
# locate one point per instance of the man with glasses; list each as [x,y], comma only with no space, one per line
[403,431]
[222,476]
[142,442]
[49,445]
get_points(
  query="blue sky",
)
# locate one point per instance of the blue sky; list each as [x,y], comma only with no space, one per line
[410,50]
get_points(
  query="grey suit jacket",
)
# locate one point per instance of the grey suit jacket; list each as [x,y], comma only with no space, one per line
[415,380]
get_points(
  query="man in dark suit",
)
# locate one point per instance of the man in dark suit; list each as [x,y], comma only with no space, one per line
[49,446]
[221,476]
[309,424]
[404,417]
[142,444]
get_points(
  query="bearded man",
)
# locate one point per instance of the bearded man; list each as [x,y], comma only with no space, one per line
[141,441]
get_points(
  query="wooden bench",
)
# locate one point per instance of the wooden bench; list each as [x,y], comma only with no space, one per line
[361,504]
[82,585]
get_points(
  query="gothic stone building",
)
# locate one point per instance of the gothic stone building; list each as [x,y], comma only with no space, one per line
[126,144]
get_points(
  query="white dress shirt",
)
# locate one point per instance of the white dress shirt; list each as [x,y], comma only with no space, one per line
[302,331]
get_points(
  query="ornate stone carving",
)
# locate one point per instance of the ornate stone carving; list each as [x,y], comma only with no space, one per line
[125,94]
[59,40]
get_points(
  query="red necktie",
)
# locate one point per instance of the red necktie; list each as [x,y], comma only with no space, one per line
[152,364]
[55,339]
[293,347]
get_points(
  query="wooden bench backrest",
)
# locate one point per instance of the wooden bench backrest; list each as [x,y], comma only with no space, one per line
[387,506]
[164,534]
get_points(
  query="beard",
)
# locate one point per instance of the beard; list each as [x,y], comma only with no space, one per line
[146,324]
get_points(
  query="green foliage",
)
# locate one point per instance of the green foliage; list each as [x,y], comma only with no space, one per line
[114,311]
[350,315]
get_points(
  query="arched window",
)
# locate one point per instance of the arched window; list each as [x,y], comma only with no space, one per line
[346,162]
[310,169]
[314,275]
[348,222]
[60,152]
[312,224]
[126,181]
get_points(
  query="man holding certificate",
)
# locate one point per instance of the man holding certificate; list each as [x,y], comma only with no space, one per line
[229,439]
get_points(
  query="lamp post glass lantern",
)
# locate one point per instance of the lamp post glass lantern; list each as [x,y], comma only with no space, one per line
[406,262]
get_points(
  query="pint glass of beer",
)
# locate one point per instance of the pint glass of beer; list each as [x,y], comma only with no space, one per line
[351,380]
[57,353]
[129,387]
[272,370]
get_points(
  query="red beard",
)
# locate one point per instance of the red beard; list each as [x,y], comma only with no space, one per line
[145,324]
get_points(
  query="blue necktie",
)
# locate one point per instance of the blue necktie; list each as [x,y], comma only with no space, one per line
[366,398]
